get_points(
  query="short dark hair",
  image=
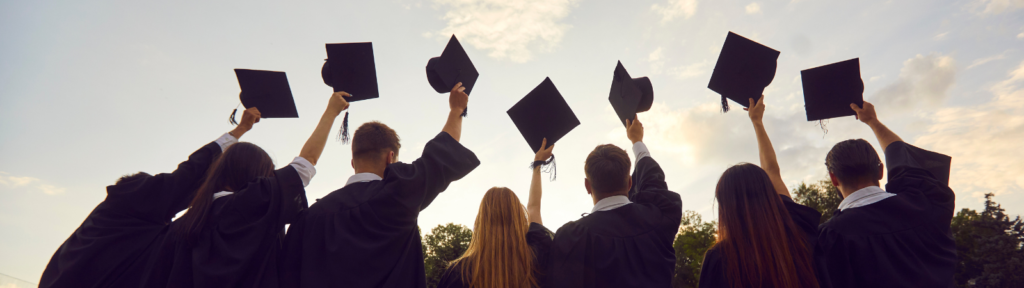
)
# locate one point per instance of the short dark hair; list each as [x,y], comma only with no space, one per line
[374,139]
[607,169]
[853,161]
[132,177]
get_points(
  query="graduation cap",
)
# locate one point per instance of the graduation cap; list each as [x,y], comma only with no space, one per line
[266,90]
[543,113]
[743,70]
[452,67]
[829,89]
[630,95]
[350,68]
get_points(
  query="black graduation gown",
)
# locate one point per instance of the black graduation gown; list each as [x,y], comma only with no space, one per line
[539,240]
[365,234]
[630,246]
[240,243]
[122,227]
[902,241]
[713,270]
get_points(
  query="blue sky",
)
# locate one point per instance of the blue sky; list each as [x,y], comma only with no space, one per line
[92,91]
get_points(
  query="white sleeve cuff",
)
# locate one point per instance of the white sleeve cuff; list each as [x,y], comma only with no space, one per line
[640,151]
[226,140]
[305,169]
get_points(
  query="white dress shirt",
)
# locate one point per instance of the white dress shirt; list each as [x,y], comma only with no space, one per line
[362,177]
[640,151]
[864,197]
[226,140]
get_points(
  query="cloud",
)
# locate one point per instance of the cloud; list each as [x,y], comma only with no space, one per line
[753,8]
[984,140]
[657,60]
[509,29]
[12,182]
[994,7]
[981,61]
[924,79]
[692,70]
[941,36]
[675,8]
[1020,36]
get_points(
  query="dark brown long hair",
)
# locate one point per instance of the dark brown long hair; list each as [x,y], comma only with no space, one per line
[240,164]
[498,256]
[760,244]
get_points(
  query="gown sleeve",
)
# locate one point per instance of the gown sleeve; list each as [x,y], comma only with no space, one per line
[712,270]
[157,198]
[916,170]
[539,238]
[649,187]
[415,185]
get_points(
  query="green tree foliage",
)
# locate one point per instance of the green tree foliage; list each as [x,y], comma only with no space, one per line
[821,196]
[695,237]
[444,244]
[988,248]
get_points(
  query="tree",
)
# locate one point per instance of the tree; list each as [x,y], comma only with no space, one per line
[989,251]
[821,196]
[444,244]
[695,237]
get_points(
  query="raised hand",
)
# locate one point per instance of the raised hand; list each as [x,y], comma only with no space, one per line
[544,153]
[458,100]
[866,114]
[635,130]
[337,104]
[756,109]
[249,117]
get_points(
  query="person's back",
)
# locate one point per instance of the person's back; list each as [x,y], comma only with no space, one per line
[626,240]
[764,238]
[365,234]
[897,237]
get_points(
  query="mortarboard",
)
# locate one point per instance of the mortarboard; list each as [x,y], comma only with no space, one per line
[543,113]
[452,67]
[266,90]
[350,68]
[629,95]
[743,70]
[829,89]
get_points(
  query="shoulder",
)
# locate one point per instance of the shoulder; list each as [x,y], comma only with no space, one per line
[452,277]
[537,233]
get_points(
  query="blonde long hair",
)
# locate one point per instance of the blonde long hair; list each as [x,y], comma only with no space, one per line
[498,255]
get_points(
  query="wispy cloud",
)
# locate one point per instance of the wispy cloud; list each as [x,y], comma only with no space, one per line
[657,60]
[982,61]
[509,29]
[753,8]
[675,8]
[993,7]
[692,70]
[984,140]
[941,36]
[15,182]
[923,80]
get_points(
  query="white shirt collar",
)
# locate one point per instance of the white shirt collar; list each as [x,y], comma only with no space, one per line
[221,194]
[363,177]
[609,203]
[864,197]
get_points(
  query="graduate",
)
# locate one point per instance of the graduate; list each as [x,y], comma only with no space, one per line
[136,211]
[231,234]
[764,238]
[896,237]
[626,240]
[365,234]
[510,245]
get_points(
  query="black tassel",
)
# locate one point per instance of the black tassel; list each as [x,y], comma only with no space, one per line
[824,127]
[725,104]
[465,111]
[546,167]
[344,130]
[231,119]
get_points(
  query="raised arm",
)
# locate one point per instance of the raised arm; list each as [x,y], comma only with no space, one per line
[315,145]
[769,163]
[458,100]
[533,204]
[867,115]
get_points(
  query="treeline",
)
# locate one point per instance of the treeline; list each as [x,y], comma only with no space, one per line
[990,245]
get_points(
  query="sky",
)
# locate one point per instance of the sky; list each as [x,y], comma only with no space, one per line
[93,90]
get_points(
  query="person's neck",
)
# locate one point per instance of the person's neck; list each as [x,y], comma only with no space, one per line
[848,190]
[624,193]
